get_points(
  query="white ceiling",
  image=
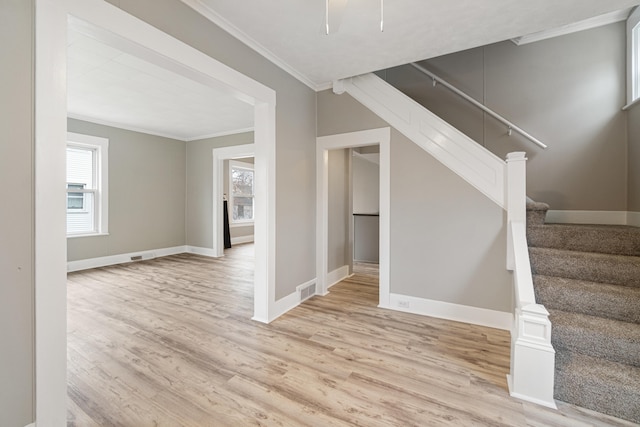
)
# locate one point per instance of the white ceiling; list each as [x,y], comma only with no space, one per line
[108,86]
[292,32]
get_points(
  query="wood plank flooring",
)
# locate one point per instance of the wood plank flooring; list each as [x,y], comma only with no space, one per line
[169,342]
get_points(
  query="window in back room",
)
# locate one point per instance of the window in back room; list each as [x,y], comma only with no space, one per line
[87,185]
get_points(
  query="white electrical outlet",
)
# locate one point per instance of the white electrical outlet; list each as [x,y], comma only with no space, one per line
[403,304]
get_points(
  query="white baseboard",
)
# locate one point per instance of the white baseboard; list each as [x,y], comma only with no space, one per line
[588,217]
[444,310]
[337,275]
[31,425]
[241,239]
[633,218]
[200,251]
[289,302]
[85,264]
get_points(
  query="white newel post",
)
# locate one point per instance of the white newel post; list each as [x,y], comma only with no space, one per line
[532,356]
[516,189]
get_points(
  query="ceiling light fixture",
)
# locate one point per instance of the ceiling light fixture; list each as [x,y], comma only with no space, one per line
[326,15]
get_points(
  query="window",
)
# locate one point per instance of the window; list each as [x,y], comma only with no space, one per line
[633,57]
[87,185]
[241,192]
[635,40]
[75,200]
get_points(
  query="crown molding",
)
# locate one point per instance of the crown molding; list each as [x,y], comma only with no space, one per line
[227,26]
[122,126]
[587,24]
[219,134]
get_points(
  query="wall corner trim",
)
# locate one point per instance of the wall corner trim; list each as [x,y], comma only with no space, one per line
[456,312]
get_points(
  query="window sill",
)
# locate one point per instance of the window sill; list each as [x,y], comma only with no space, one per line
[73,236]
[631,104]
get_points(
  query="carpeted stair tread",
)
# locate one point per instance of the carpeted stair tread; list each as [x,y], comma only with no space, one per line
[536,212]
[615,269]
[581,296]
[596,336]
[611,239]
[600,385]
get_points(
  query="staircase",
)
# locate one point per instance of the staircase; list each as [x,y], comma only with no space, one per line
[588,278]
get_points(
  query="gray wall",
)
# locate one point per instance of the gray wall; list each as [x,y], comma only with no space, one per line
[16,214]
[146,193]
[339,210]
[447,240]
[295,131]
[634,159]
[567,91]
[199,222]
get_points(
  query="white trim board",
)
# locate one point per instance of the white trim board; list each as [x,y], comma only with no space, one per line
[197,250]
[291,301]
[456,312]
[633,218]
[151,132]
[241,239]
[587,24]
[590,217]
[85,264]
[338,275]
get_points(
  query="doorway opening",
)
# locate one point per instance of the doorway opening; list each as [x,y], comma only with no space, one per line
[123,30]
[352,140]
[220,156]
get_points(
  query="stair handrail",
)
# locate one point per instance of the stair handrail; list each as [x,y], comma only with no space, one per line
[509,124]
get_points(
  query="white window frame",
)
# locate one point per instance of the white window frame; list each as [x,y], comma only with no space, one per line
[101,170]
[240,165]
[633,58]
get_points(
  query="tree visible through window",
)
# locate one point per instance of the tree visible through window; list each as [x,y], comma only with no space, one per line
[241,198]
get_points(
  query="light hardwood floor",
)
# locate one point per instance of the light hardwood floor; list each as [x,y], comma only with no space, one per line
[169,342]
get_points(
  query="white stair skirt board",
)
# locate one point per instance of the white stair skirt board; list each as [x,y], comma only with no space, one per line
[456,312]
[241,239]
[85,264]
[588,217]
[337,275]
[472,162]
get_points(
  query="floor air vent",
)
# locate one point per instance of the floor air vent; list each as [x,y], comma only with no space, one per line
[307,291]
